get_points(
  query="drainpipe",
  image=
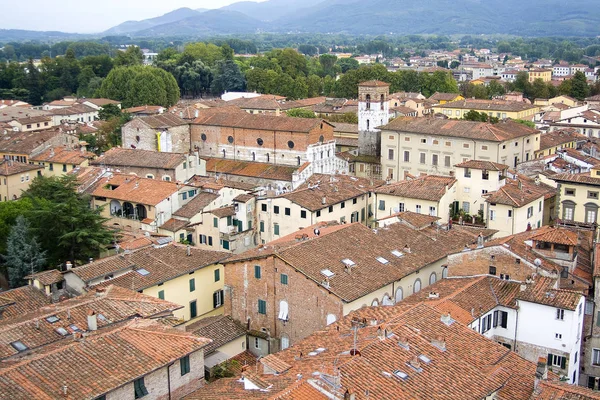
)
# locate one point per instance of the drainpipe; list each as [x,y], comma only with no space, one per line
[169,380]
[516,326]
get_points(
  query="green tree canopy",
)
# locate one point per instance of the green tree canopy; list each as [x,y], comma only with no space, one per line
[300,113]
[24,255]
[132,56]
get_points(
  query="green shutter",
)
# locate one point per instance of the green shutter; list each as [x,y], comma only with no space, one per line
[262,226]
[193,309]
[276,229]
[216,222]
[184,365]
[284,279]
[563,362]
[161,294]
[192,284]
[257,271]
[217,275]
[262,307]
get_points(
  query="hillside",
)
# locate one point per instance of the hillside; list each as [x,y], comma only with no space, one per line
[209,22]
[272,9]
[135,26]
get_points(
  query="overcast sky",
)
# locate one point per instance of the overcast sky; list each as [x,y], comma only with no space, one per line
[88,16]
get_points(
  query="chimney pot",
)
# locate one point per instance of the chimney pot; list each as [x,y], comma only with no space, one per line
[92,320]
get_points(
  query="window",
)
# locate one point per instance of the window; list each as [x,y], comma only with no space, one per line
[139,388]
[448,144]
[486,323]
[276,229]
[422,158]
[530,212]
[568,210]
[257,271]
[382,204]
[447,161]
[418,209]
[302,213]
[210,241]
[432,211]
[193,284]
[284,279]
[390,154]
[596,356]
[218,299]
[263,207]
[275,209]
[467,172]
[492,215]
[591,212]
[434,159]
[184,365]
[401,207]
[262,307]
[570,192]
[424,141]
[217,275]
[216,222]
[64,168]
[262,226]
[285,340]
[407,156]
[509,213]
[283,310]
[193,309]
[492,270]
[256,343]
[51,167]
[466,206]
[343,204]
[330,209]
[485,175]
[501,319]
[432,278]
[318,213]
[560,314]
[417,286]
[465,145]
[225,244]
[484,147]
[161,294]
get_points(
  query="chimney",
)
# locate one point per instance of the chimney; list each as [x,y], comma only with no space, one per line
[523,287]
[349,395]
[196,114]
[403,341]
[415,363]
[541,372]
[100,291]
[69,265]
[439,342]
[188,250]
[406,248]
[92,321]
[324,200]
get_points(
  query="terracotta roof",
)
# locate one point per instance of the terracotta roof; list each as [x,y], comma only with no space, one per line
[43,326]
[416,220]
[557,236]
[223,212]
[301,103]
[332,188]
[326,252]
[558,137]
[73,110]
[163,121]
[244,198]
[481,164]
[20,113]
[144,110]
[249,169]
[218,183]
[22,300]
[119,157]
[174,225]
[26,142]
[437,96]
[100,102]
[505,130]
[9,167]
[262,102]
[221,329]
[428,187]
[63,155]
[196,205]
[135,189]
[552,390]
[344,127]
[274,363]
[593,98]
[163,264]
[47,277]
[491,105]
[583,178]
[259,122]
[407,111]
[373,83]
[520,192]
[132,349]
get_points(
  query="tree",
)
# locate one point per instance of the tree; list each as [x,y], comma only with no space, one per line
[300,113]
[495,89]
[347,64]
[23,253]
[67,228]
[34,84]
[109,111]
[473,115]
[454,64]
[580,88]
[228,78]
[132,56]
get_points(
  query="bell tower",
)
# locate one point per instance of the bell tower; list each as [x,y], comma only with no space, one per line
[373,111]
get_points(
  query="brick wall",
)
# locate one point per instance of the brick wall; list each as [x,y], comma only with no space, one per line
[140,135]
[308,303]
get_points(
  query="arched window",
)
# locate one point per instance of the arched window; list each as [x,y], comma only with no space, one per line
[432,278]
[382,100]
[568,210]
[444,272]
[375,303]
[368,99]
[591,213]
[387,301]
[331,319]
[285,341]
[417,286]
[399,294]
[166,178]
[283,310]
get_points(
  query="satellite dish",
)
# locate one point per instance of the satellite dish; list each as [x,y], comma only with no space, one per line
[317,232]
[537,262]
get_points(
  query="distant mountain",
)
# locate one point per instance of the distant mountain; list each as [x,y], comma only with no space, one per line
[135,26]
[207,23]
[272,9]
[9,35]
[518,17]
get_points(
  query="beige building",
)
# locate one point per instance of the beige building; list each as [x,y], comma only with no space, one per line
[57,161]
[474,180]
[428,195]
[435,146]
[578,196]
[15,178]
[341,198]
[501,109]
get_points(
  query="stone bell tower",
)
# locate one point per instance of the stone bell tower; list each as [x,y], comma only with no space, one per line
[373,111]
